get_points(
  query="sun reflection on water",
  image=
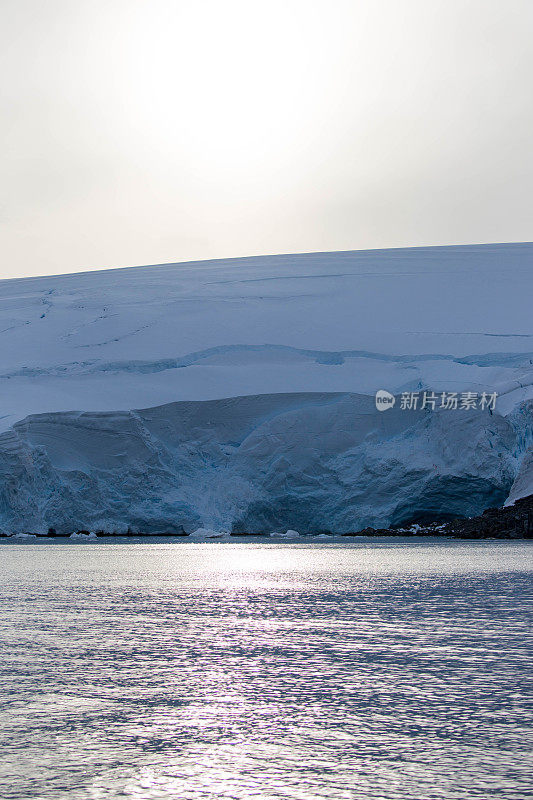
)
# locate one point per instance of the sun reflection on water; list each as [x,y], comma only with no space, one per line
[271,671]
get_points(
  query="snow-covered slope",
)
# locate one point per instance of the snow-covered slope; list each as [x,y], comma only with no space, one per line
[303,342]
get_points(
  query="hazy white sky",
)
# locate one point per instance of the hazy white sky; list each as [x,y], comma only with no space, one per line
[147,131]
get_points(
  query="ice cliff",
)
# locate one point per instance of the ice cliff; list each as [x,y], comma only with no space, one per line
[240,393]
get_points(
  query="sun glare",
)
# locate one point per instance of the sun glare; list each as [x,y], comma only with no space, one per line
[242,97]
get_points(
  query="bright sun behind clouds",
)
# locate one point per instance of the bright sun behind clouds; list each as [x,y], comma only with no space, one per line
[236,86]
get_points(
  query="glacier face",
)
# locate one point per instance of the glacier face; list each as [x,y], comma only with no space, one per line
[256,463]
[256,379]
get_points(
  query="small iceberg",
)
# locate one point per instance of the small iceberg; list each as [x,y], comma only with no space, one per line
[23,536]
[84,537]
[207,533]
[290,534]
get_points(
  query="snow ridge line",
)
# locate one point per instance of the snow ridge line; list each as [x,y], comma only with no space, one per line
[323,357]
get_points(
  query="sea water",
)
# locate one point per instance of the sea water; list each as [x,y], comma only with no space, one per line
[363,669]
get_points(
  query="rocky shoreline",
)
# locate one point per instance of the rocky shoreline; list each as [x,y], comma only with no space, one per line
[510,522]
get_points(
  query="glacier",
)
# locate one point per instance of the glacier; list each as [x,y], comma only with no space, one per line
[239,394]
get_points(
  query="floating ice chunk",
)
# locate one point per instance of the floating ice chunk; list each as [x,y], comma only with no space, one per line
[23,536]
[208,533]
[84,537]
[290,534]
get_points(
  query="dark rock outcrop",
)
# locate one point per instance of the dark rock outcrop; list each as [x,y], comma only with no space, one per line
[509,522]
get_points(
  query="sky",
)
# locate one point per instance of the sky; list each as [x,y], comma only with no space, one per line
[152,131]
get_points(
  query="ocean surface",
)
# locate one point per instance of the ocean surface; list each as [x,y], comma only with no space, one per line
[352,669]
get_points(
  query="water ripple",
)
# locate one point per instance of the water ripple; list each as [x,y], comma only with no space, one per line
[240,671]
